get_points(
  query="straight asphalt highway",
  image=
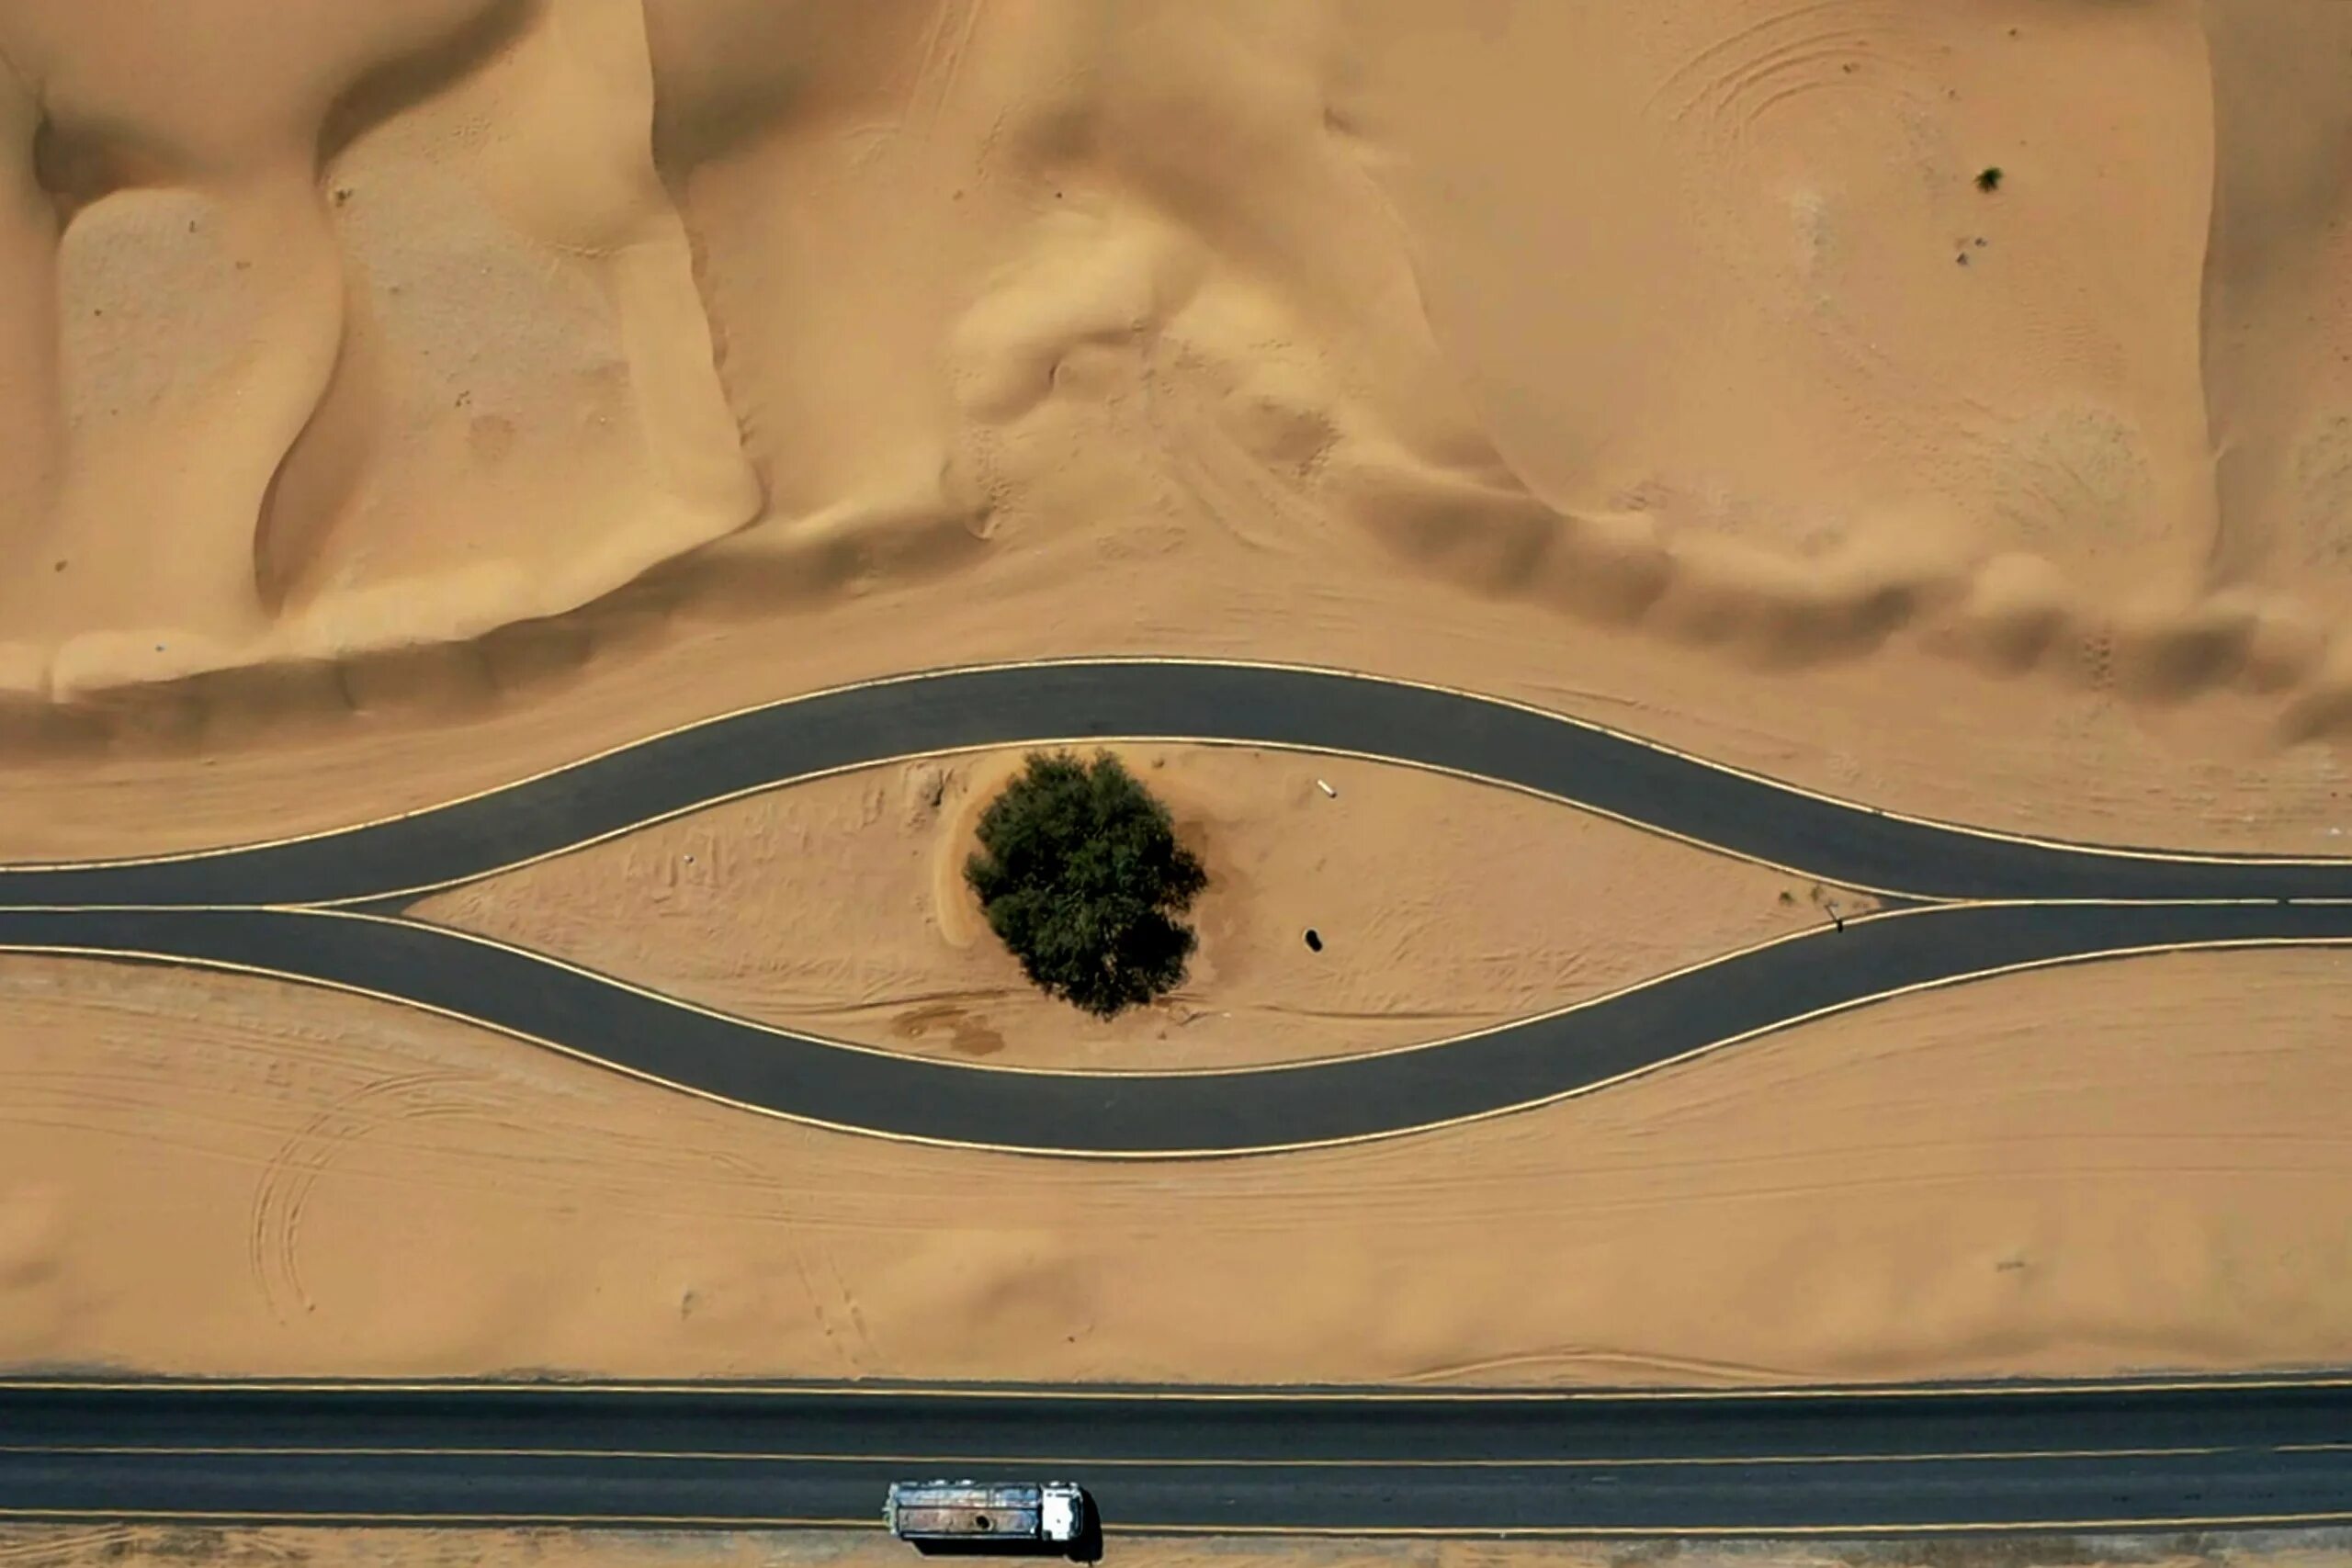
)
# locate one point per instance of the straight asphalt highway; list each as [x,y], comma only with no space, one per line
[1164,1114]
[1854,1462]
[1273,705]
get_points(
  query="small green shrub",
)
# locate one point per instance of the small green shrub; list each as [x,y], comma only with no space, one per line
[1082,879]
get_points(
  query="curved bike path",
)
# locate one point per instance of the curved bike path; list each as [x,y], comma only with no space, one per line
[1275,706]
[239,910]
[1340,1100]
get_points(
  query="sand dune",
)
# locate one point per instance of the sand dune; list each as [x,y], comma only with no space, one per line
[362,337]
[571,367]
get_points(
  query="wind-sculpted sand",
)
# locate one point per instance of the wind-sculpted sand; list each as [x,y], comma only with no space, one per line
[568,370]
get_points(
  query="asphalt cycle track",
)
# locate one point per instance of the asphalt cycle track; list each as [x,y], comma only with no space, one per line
[1960,904]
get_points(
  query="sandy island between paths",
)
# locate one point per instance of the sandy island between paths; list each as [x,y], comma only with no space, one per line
[838,906]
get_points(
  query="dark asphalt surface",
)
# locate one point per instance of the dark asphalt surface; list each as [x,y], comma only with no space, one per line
[1296,707]
[2115,1457]
[1150,1114]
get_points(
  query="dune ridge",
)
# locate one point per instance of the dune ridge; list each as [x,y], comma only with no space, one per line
[491,340]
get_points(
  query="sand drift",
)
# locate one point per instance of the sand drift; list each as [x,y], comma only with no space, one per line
[1964,903]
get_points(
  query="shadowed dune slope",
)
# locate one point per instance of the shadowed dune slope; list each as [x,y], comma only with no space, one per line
[569,367]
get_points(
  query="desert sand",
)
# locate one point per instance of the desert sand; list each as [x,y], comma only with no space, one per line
[557,372]
[2120,1166]
[137,1546]
[399,398]
[284,1548]
[838,907]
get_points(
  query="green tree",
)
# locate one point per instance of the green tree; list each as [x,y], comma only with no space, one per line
[1081,876]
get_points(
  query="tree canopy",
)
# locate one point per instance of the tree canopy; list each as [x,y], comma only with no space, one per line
[1082,878]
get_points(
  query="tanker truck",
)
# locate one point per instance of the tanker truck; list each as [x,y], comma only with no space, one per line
[1049,1514]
